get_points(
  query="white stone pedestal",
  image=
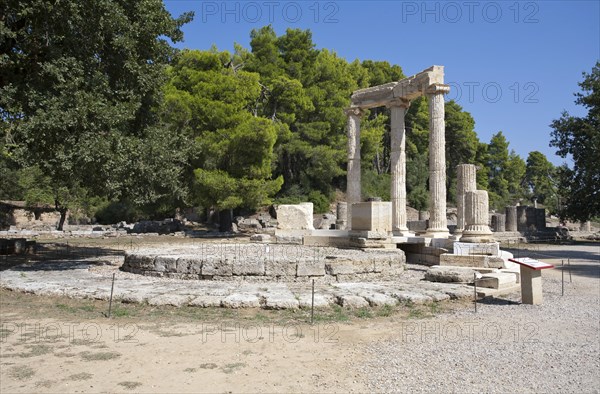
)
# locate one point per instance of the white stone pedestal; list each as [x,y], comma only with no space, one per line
[531,286]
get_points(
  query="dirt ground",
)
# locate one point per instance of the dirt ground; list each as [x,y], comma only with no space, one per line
[56,344]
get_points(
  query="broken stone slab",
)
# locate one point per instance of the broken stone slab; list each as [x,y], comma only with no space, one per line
[449,274]
[236,301]
[352,301]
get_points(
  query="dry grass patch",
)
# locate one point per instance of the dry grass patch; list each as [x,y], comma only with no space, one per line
[101,356]
[130,385]
[21,372]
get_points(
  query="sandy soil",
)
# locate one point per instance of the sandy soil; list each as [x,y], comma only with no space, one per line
[62,345]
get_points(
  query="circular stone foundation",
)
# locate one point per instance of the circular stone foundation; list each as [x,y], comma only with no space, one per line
[260,262]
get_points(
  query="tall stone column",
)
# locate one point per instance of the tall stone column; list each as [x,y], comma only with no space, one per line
[353,188]
[477,217]
[438,225]
[398,166]
[511,218]
[466,181]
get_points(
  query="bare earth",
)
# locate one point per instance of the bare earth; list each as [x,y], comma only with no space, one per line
[56,344]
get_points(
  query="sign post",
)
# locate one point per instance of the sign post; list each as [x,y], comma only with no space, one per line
[531,279]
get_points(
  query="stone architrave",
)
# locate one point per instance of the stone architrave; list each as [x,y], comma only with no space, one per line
[511,218]
[438,224]
[477,217]
[398,166]
[466,181]
[353,188]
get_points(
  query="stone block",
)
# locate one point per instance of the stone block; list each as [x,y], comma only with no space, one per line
[352,301]
[310,268]
[446,274]
[190,265]
[463,261]
[249,267]
[483,248]
[165,263]
[260,238]
[375,216]
[241,301]
[500,280]
[217,267]
[280,268]
[295,216]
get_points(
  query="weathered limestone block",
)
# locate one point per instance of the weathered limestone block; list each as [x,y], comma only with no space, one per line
[471,261]
[263,238]
[241,301]
[217,267]
[447,274]
[375,216]
[310,268]
[165,264]
[499,280]
[468,248]
[295,216]
[280,268]
[352,301]
[248,267]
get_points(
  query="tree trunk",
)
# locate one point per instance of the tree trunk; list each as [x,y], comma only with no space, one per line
[225,220]
[63,217]
[63,214]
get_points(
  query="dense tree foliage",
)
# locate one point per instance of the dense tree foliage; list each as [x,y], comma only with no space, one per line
[78,82]
[100,112]
[578,138]
[210,101]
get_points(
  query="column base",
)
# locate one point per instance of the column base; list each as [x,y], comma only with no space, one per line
[437,233]
[483,237]
[403,233]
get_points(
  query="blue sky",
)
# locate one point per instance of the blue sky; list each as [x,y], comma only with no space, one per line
[514,65]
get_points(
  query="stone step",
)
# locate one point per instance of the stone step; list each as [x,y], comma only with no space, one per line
[498,280]
[485,292]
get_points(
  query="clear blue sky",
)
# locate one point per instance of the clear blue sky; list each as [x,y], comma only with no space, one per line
[513,65]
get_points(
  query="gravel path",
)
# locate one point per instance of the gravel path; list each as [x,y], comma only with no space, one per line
[505,346]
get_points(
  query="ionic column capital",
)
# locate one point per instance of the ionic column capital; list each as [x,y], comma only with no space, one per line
[354,111]
[438,88]
[399,102]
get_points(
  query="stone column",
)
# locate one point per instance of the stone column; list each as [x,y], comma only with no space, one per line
[438,225]
[466,181]
[398,166]
[522,218]
[342,216]
[353,190]
[476,217]
[511,218]
[498,222]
